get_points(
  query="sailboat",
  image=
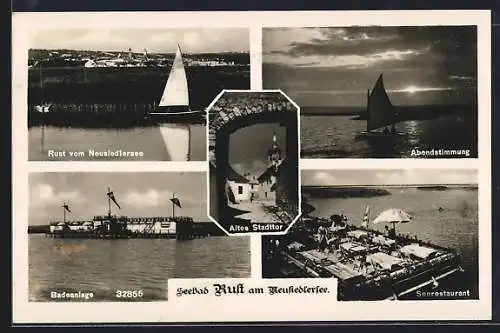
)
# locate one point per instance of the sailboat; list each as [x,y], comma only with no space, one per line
[42,107]
[174,102]
[380,114]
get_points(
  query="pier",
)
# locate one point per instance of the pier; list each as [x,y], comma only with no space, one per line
[111,226]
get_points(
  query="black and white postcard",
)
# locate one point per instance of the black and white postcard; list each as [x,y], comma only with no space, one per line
[384,234]
[253,156]
[253,166]
[128,94]
[97,236]
[378,91]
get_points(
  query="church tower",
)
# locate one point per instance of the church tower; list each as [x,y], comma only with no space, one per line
[274,154]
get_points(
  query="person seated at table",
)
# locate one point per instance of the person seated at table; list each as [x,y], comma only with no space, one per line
[321,237]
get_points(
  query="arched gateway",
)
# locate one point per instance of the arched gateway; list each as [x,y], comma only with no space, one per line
[264,197]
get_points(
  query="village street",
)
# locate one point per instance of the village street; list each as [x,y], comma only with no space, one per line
[256,212]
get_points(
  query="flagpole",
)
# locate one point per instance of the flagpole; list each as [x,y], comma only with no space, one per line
[173,205]
[109,202]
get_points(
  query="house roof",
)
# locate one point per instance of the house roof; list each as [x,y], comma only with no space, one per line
[236,177]
[265,175]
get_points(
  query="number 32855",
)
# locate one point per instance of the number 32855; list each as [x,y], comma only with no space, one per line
[129,294]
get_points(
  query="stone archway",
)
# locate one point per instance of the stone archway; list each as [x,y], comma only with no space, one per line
[226,119]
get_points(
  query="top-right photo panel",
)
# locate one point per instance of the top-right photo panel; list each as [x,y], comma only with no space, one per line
[378,92]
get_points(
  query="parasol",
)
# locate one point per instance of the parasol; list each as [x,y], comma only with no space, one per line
[393,216]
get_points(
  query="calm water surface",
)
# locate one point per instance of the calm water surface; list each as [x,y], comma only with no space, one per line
[149,140]
[103,266]
[334,136]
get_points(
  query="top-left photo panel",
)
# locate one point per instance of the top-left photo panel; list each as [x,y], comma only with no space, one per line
[128,94]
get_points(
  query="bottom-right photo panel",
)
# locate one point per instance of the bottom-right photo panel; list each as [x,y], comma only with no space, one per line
[384,234]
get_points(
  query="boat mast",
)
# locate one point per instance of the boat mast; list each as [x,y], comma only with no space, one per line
[41,81]
[367,108]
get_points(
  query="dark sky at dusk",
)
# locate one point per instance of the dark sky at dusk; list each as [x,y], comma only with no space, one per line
[336,66]
[138,194]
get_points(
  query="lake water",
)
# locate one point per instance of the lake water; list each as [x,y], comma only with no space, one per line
[104,266]
[172,142]
[334,136]
[456,226]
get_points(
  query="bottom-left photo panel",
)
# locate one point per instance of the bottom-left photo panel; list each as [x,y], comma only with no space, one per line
[101,236]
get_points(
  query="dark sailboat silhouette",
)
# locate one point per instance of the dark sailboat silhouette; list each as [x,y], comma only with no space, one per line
[380,114]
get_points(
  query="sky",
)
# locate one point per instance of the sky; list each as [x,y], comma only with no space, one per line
[335,66]
[138,194]
[248,147]
[388,177]
[205,40]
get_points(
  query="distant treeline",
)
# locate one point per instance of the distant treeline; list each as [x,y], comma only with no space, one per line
[416,112]
[433,188]
[343,192]
[445,187]
[38,229]
[35,55]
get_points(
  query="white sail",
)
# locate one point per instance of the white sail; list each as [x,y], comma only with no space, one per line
[380,109]
[176,138]
[176,90]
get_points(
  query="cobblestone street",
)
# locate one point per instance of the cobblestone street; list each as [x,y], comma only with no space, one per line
[256,212]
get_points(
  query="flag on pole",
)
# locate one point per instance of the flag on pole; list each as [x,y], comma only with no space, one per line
[366,218]
[112,197]
[65,206]
[176,202]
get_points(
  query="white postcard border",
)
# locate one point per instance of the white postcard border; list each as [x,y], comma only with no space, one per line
[24,25]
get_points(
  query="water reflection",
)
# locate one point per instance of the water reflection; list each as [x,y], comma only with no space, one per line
[177,140]
[413,128]
[164,142]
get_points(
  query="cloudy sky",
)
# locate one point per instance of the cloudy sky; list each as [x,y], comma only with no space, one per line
[138,194]
[336,66]
[387,177]
[154,40]
[248,147]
